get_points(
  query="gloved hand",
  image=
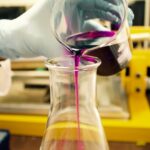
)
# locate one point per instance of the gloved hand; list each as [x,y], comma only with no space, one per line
[110,10]
[81,11]
[30,35]
[95,25]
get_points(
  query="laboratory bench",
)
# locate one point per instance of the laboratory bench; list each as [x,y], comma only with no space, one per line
[33,143]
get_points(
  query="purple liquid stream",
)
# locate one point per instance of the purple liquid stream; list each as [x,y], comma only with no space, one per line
[77,55]
[80,144]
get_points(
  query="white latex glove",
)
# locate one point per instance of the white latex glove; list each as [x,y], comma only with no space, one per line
[5,77]
[30,34]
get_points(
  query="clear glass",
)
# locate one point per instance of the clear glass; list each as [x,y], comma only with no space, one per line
[96,28]
[86,24]
[66,130]
[116,55]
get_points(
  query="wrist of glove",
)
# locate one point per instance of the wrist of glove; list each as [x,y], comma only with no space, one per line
[30,34]
[12,42]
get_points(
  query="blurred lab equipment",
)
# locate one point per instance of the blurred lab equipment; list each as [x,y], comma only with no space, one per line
[4,140]
[5,76]
[141,9]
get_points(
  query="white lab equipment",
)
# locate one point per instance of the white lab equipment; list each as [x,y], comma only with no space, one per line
[5,76]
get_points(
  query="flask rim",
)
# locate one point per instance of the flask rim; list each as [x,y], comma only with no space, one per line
[53,63]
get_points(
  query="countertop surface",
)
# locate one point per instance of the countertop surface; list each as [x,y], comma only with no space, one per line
[33,143]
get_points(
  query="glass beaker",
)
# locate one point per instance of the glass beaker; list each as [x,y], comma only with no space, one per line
[95,27]
[65,129]
[88,24]
[116,55]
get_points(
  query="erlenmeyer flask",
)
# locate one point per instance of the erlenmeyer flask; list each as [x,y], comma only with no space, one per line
[70,127]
